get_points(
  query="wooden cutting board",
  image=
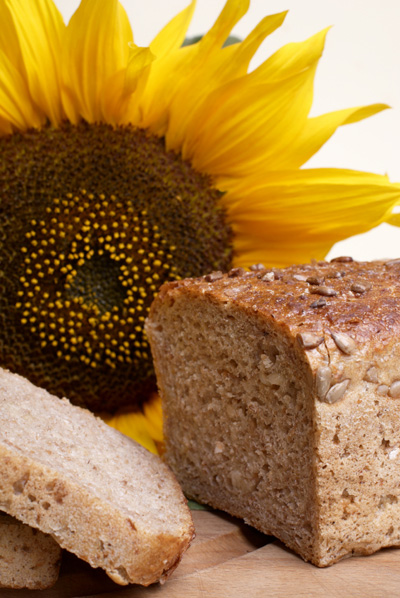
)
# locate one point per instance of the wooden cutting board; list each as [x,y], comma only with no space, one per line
[231,560]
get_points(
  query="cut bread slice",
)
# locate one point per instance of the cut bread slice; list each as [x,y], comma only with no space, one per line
[98,493]
[28,558]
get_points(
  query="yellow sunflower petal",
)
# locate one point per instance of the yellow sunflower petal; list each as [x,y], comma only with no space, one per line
[5,126]
[245,50]
[39,28]
[245,123]
[133,425]
[173,34]
[117,93]
[96,48]
[394,219]
[231,14]
[316,133]
[9,42]
[195,69]
[155,103]
[248,124]
[149,106]
[292,58]
[154,418]
[210,72]
[16,107]
[293,216]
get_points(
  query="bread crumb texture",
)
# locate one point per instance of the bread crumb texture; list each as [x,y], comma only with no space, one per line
[28,558]
[281,394]
[97,493]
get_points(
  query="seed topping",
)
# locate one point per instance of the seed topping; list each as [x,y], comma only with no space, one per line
[344,259]
[382,389]
[257,267]
[323,380]
[394,390]
[309,340]
[214,276]
[344,342]
[268,277]
[337,392]
[395,262]
[323,290]
[234,272]
[371,375]
[319,303]
[314,280]
[360,288]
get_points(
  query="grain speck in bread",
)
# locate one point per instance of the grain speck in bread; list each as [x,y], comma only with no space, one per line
[281,393]
[28,558]
[98,493]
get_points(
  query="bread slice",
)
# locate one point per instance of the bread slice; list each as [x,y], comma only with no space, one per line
[28,558]
[98,493]
[281,393]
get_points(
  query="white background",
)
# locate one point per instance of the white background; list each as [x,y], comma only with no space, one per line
[360,65]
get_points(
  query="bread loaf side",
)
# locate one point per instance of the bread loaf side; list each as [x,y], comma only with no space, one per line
[99,494]
[28,558]
[281,393]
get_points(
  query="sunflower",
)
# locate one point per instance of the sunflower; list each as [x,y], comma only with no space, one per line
[123,167]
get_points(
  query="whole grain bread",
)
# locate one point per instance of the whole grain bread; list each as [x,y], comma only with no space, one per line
[281,393]
[96,492]
[28,558]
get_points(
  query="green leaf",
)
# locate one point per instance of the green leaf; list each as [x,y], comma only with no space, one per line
[195,506]
[232,39]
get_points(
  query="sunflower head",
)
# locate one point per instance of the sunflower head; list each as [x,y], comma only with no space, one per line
[95,218]
[123,167]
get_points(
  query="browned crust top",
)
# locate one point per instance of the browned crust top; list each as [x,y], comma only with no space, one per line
[358,298]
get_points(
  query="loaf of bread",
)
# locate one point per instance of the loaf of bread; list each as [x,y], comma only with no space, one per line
[281,398]
[96,492]
[28,558]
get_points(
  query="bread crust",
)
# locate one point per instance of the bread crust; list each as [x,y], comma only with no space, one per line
[365,302]
[339,322]
[70,506]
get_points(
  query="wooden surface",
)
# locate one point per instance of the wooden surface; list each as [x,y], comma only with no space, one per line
[231,560]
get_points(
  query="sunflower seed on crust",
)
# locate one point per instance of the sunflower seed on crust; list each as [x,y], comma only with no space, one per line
[236,272]
[359,288]
[256,267]
[394,390]
[344,342]
[319,303]
[269,276]
[371,375]
[213,276]
[393,263]
[315,280]
[336,392]
[323,290]
[343,259]
[308,340]
[323,380]
[382,389]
